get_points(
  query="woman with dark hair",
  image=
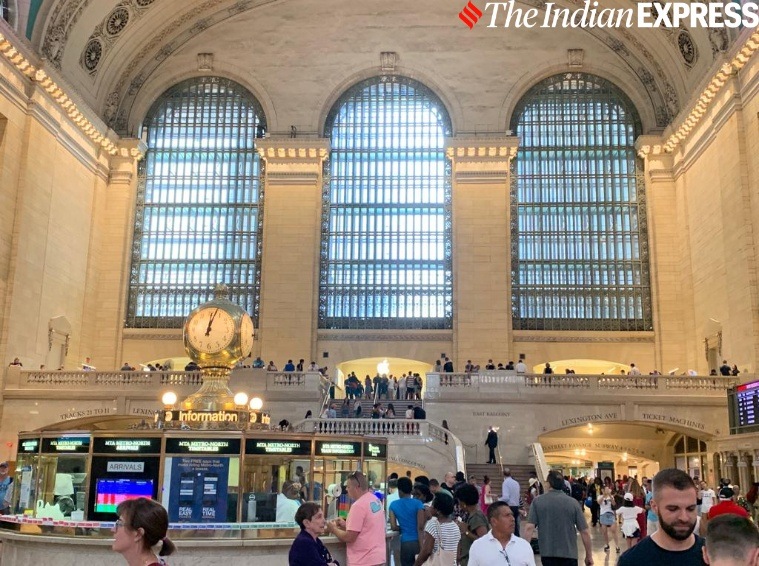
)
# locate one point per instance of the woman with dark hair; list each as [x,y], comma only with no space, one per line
[476,524]
[307,548]
[141,525]
[441,535]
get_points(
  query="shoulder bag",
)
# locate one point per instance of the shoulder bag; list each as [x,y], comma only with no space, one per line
[441,557]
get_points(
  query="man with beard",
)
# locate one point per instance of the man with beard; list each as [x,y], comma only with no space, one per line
[674,543]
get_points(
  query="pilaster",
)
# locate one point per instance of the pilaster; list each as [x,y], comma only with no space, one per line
[481,247]
[669,257]
[109,264]
[291,241]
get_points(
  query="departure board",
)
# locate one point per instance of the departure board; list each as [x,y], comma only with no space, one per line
[745,405]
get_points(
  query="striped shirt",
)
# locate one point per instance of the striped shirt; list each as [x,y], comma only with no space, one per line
[449,533]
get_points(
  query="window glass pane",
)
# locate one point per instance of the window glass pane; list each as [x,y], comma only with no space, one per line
[386,225]
[199,203]
[578,207]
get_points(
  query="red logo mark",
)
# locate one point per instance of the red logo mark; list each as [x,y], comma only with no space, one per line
[470,15]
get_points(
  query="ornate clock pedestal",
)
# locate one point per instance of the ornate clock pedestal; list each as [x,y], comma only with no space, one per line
[214,394]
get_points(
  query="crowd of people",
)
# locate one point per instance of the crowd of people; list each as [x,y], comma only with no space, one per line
[666,520]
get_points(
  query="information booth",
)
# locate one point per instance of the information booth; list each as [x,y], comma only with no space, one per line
[123,467]
[201,478]
[254,479]
[63,468]
[27,469]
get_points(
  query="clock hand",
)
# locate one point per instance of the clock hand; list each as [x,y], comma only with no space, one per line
[210,322]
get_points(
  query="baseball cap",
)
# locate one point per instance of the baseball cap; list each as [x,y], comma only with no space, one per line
[726,493]
[628,496]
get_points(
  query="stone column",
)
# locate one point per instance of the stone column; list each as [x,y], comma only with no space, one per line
[744,477]
[482,247]
[728,467]
[669,261]
[755,462]
[291,241]
[105,303]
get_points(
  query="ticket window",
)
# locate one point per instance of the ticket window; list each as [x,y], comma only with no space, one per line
[333,463]
[277,479]
[63,477]
[201,480]
[24,496]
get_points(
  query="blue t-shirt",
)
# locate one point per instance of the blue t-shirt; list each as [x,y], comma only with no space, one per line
[405,510]
[650,516]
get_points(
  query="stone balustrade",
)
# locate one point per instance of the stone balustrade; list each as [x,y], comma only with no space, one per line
[489,380]
[19,379]
[389,428]
[446,383]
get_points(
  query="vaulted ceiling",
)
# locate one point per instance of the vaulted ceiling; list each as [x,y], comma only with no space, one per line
[296,55]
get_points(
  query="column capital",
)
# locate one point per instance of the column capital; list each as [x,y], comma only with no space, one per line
[293,150]
[481,159]
[293,161]
[481,149]
[659,163]
[122,164]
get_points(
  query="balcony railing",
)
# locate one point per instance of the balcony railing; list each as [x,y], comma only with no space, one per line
[127,381]
[488,381]
[389,428]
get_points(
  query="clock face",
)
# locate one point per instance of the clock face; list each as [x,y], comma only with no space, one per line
[210,330]
[246,335]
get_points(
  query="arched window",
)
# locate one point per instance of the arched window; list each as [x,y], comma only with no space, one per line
[578,226]
[386,224]
[199,203]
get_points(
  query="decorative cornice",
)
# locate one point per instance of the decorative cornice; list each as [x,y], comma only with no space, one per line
[482,149]
[372,336]
[293,150]
[598,339]
[142,334]
[709,93]
[67,106]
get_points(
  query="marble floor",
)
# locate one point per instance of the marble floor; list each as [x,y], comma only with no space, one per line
[600,558]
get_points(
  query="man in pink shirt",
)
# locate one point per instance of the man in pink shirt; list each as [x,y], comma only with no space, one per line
[364,532]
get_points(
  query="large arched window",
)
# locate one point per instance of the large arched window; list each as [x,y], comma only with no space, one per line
[199,203]
[578,226]
[386,229]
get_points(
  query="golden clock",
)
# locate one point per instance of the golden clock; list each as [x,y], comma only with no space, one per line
[246,335]
[210,330]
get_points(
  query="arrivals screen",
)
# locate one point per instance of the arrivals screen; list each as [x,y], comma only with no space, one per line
[744,407]
[111,492]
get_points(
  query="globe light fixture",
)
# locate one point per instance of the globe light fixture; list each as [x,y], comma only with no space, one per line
[169,399]
[256,403]
[241,399]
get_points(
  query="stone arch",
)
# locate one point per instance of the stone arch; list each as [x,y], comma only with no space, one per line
[446,96]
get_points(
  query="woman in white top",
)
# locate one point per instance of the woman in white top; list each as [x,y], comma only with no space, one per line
[607,518]
[441,534]
[629,513]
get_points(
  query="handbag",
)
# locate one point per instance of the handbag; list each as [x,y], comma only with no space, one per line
[489,499]
[588,501]
[441,557]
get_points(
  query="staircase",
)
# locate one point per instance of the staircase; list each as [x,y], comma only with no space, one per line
[520,472]
[400,406]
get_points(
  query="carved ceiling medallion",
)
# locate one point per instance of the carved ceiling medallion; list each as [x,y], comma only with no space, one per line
[117,21]
[687,48]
